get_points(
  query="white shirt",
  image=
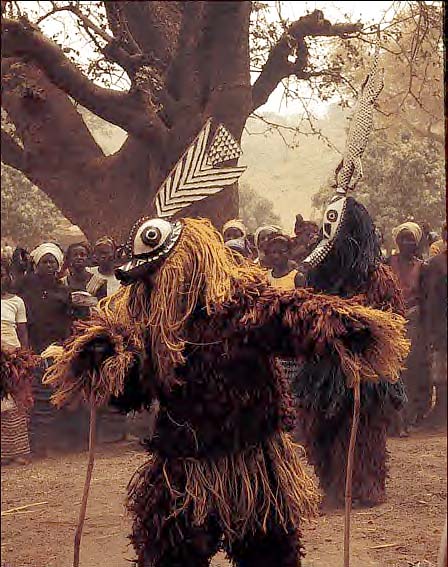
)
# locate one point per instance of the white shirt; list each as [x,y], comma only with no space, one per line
[112,283]
[13,311]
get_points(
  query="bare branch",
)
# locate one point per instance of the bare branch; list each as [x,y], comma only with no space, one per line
[120,27]
[278,66]
[424,133]
[151,28]
[113,49]
[127,110]
[84,19]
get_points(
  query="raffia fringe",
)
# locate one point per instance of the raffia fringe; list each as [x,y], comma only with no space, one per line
[238,488]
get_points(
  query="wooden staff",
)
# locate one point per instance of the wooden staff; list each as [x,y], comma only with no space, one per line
[85,495]
[349,474]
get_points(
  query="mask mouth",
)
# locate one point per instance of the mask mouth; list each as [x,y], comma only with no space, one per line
[135,270]
[318,255]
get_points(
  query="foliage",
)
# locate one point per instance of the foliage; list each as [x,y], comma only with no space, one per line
[412,55]
[28,215]
[256,210]
[404,179]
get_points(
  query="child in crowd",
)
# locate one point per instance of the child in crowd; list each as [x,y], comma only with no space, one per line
[283,273]
[86,288]
[104,255]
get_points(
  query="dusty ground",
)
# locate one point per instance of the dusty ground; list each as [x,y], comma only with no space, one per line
[403,532]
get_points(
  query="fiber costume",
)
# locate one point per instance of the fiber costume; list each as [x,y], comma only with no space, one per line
[198,328]
[347,262]
[352,268]
[16,376]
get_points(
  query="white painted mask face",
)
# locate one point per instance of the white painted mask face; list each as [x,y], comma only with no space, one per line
[150,241]
[151,236]
[332,221]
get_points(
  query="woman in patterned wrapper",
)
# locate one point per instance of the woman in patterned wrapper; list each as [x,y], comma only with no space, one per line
[199,328]
[351,268]
[15,446]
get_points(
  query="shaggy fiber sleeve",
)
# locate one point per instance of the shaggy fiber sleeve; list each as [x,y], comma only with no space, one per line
[99,357]
[367,344]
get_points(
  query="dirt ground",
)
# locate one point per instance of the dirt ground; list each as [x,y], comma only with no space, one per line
[403,532]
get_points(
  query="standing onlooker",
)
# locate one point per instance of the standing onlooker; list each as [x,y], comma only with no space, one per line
[111,425]
[408,269]
[7,251]
[234,229]
[86,288]
[427,239]
[21,266]
[49,312]
[434,315]
[104,254]
[306,236]
[439,245]
[15,446]
[47,300]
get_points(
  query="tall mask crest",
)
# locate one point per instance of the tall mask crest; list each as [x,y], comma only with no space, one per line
[349,170]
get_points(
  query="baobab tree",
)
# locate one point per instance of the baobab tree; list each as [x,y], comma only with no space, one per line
[185,62]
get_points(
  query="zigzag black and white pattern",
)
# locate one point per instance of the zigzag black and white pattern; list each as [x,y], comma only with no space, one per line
[194,177]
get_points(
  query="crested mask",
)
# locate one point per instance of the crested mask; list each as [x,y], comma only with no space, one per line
[331,225]
[201,171]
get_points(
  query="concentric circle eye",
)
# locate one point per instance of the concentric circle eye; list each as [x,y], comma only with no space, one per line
[151,236]
[332,215]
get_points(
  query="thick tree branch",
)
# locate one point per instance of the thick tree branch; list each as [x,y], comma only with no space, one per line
[183,75]
[278,66]
[127,110]
[12,153]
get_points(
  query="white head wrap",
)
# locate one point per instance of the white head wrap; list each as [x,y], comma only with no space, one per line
[269,228]
[235,223]
[47,248]
[412,227]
